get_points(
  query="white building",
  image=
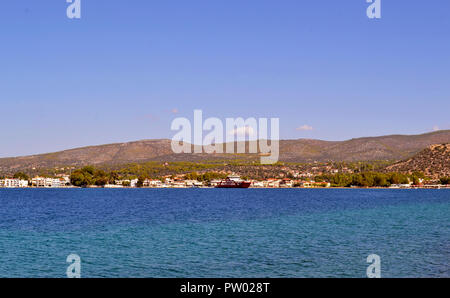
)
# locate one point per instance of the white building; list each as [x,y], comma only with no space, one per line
[152,183]
[113,186]
[258,184]
[134,182]
[193,183]
[400,186]
[13,183]
[178,184]
[49,182]
[273,183]
[64,177]
[58,183]
[127,182]
[39,181]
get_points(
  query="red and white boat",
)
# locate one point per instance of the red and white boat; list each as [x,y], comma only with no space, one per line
[233,182]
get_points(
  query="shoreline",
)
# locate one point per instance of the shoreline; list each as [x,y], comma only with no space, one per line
[278,188]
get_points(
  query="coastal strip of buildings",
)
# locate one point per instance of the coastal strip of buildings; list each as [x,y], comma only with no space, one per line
[166,182]
[40,182]
[178,182]
[182,183]
[13,183]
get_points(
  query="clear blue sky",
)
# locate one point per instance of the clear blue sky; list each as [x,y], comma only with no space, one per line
[119,73]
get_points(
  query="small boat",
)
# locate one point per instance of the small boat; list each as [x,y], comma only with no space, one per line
[233,181]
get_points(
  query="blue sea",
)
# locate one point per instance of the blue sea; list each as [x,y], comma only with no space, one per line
[224,232]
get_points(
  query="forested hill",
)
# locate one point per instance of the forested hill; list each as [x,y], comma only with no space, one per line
[433,162]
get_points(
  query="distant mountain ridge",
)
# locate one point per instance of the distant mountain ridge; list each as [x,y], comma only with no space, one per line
[393,147]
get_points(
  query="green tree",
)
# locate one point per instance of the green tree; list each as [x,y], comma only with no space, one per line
[21,175]
[113,176]
[381,180]
[77,178]
[445,180]
[101,181]
[395,178]
[89,170]
[140,182]
[100,177]
[87,176]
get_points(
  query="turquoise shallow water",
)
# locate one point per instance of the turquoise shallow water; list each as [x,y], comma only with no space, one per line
[224,233]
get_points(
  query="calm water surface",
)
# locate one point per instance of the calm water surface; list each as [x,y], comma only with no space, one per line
[224,233]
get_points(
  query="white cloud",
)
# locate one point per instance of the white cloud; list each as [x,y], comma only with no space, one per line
[304,128]
[435,128]
[243,131]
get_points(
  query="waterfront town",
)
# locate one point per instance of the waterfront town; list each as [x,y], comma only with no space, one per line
[165,182]
[180,181]
[428,169]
